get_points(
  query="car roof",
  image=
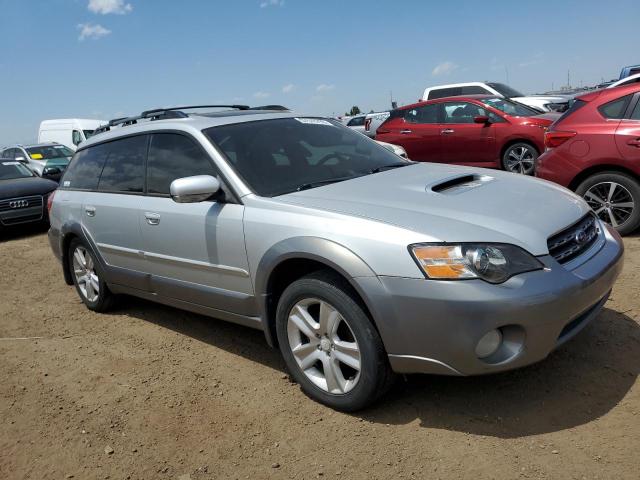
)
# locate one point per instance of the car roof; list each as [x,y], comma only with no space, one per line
[192,122]
[607,93]
[458,98]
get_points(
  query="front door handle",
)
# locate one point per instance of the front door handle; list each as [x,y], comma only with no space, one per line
[447,131]
[152,218]
[404,132]
[634,143]
[90,211]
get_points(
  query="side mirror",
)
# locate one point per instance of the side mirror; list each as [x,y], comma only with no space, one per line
[481,119]
[20,159]
[194,189]
[51,171]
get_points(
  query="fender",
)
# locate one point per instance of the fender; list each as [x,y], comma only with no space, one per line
[327,252]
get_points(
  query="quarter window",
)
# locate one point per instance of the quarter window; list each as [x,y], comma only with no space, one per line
[85,168]
[616,108]
[124,168]
[174,156]
[423,114]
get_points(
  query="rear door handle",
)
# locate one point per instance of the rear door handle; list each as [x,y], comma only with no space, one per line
[404,132]
[447,131]
[152,218]
[634,143]
[90,211]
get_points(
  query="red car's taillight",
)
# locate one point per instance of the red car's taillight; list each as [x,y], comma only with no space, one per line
[50,201]
[553,139]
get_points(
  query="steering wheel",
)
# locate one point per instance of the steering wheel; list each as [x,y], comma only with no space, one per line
[328,157]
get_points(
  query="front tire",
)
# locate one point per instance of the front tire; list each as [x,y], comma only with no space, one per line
[520,158]
[615,198]
[329,344]
[89,283]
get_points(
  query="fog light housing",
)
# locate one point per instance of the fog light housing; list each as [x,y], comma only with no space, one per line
[489,344]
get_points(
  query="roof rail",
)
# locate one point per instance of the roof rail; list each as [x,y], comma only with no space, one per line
[160,114]
[271,107]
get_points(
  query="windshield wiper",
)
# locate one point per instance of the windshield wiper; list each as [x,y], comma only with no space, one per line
[319,183]
[389,167]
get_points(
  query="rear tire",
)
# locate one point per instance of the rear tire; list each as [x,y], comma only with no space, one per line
[520,158]
[339,358]
[89,282]
[615,198]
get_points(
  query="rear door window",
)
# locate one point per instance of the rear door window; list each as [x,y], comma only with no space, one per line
[85,168]
[424,114]
[462,112]
[123,170]
[616,108]
[173,156]
[445,92]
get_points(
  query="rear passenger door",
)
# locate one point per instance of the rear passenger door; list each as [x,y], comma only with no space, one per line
[110,210]
[195,252]
[419,133]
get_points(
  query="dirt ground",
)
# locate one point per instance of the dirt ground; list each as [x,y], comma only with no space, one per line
[150,392]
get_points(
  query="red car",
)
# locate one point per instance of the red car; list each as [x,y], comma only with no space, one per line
[475,130]
[594,149]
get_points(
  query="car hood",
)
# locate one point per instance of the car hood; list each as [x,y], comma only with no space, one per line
[447,203]
[23,187]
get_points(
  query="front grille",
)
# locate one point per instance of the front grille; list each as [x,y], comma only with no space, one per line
[20,203]
[574,240]
[21,210]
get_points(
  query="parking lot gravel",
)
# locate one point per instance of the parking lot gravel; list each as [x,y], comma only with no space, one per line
[148,392]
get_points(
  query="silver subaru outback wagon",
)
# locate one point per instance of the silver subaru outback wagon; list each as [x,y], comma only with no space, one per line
[355,262]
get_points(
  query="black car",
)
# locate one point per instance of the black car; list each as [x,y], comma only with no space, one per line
[23,195]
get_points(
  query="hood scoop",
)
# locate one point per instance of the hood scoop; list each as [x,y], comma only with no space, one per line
[459,183]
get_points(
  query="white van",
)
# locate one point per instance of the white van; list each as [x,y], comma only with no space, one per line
[68,131]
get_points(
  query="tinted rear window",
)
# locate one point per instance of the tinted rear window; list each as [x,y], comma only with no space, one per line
[575,106]
[124,169]
[445,92]
[85,168]
[616,108]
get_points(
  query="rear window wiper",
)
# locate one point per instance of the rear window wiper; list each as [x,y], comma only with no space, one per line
[389,167]
[319,183]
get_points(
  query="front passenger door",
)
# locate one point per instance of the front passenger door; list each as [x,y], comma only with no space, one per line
[195,252]
[464,141]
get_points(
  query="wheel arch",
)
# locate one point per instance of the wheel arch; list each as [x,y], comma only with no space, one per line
[601,168]
[294,258]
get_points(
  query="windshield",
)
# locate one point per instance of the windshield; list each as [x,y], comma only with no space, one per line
[280,156]
[48,152]
[505,90]
[11,170]
[88,133]
[514,109]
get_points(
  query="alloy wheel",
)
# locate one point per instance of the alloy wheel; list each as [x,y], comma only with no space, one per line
[612,202]
[324,346]
[520,159]
[85,273]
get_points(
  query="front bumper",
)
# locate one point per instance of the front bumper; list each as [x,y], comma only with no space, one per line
[434,326]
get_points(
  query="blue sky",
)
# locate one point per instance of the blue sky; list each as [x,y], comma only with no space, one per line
[108,58]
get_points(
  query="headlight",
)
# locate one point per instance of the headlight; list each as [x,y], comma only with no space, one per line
[494,263]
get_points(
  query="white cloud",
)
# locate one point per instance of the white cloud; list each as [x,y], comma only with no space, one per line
[261,95]
[323,87]
[94,32]
[272,3]
[444,68]
[105,7]
[288,88]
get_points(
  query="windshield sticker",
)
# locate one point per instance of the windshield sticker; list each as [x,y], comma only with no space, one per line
[36,156]
[11,163]
[315,121]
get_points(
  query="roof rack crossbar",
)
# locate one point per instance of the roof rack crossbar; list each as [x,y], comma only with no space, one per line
[159,111]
